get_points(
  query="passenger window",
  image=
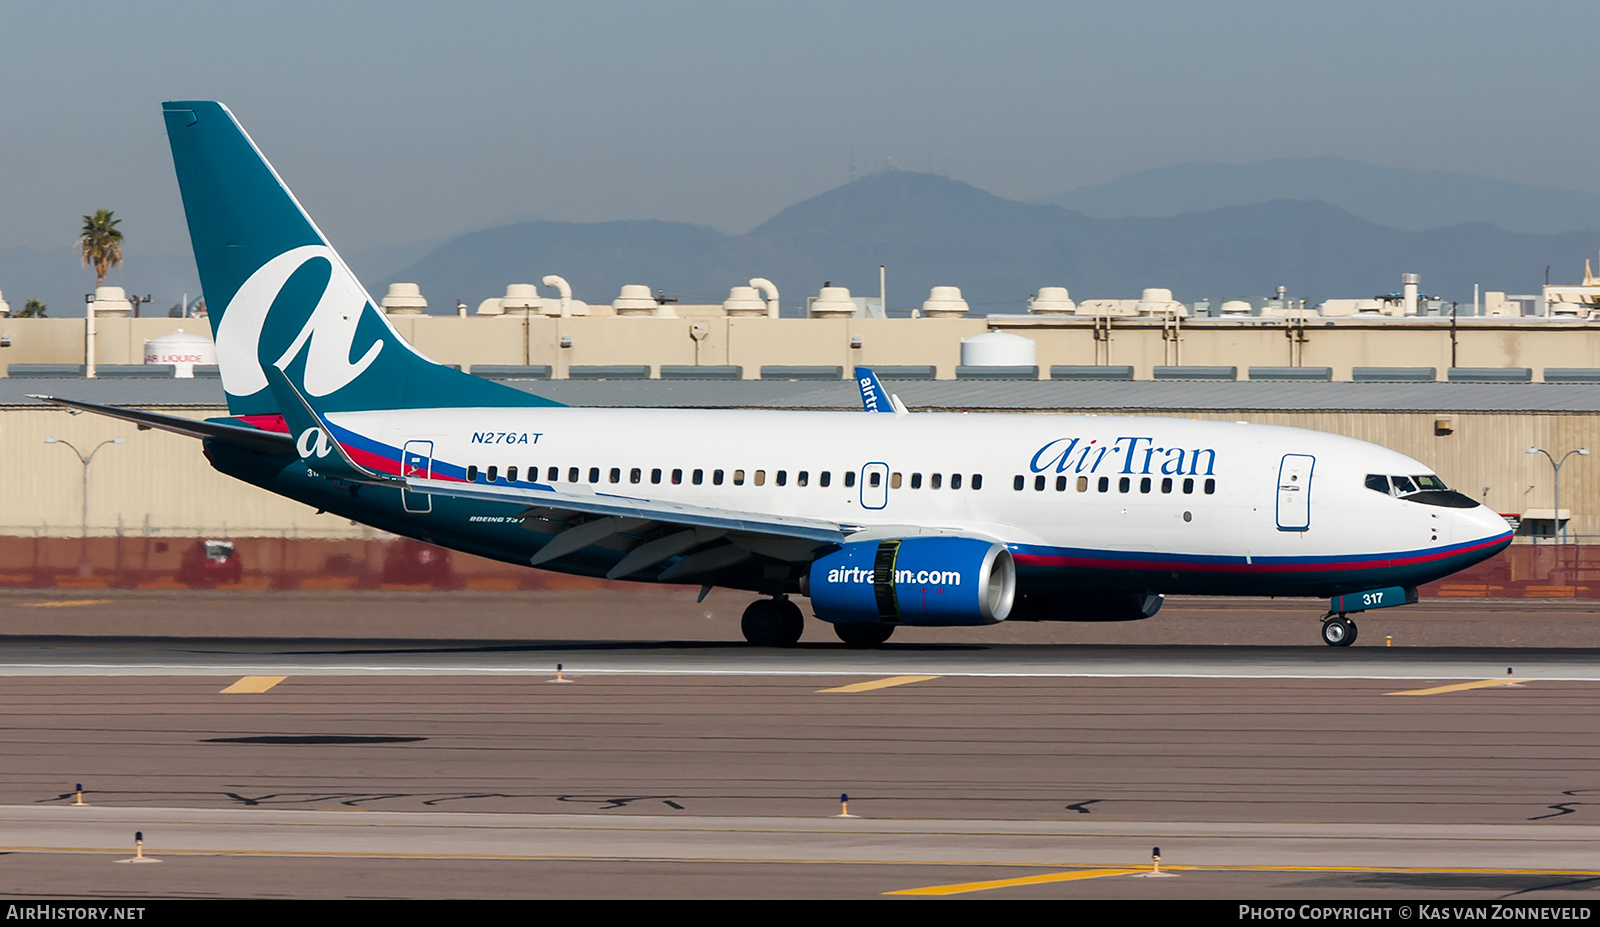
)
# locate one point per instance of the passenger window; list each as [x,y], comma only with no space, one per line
[594,474]
[1188,485]
[933,481]
[827,477]
[572,474]
[782,478]
[1038,483]
[1166,484]
[553,475]
[616,474]
[874,479]
[716,477]
[977,481]
[472,473]
[1105,484]
[738,477]
[894,481]
[655,475]
[1083,484]
[1144,484]
[849,479]
[916,481]
[699,477]
[1061,484]
[761,478]
[677,476]
[492,471]
[1211,487]
[635,475]
[802,478]
[1124,484]
[1018,482]
[1377,482]
[955,481]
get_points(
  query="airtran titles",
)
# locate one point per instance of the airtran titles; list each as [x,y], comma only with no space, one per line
[1123,455]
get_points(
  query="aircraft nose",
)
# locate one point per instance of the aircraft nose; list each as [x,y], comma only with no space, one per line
[1482,523]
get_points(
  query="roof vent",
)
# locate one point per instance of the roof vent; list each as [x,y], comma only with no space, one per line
[833,302]
[404,299]
[1052,300]
[944,302]
[744,301]
[634,299]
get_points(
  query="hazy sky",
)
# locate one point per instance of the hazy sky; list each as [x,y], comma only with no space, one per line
[404,121]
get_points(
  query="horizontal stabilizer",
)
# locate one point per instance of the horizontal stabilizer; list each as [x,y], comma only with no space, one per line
[244,436]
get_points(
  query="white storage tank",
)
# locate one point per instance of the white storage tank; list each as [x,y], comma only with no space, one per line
[998,349]
[183,350]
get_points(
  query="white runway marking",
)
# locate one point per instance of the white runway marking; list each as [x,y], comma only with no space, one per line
[94,657]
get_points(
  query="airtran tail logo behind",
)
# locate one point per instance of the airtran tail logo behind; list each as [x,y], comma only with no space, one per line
[1124,455]
[917,577]
[328,335]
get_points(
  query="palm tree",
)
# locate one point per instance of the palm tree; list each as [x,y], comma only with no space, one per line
[34,309]
[100,243]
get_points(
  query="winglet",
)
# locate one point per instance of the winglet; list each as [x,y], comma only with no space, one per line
[316,439]
[873,396]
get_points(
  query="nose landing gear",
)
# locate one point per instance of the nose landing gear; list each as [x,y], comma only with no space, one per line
[775,622]
[1338,630]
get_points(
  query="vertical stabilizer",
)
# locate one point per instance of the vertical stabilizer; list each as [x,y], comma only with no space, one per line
[279,295]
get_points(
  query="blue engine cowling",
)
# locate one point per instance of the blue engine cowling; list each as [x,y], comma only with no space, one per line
[935,581]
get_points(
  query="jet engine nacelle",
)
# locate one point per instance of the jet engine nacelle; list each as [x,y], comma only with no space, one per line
[932,581]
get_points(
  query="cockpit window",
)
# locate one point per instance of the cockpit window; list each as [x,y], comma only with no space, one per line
[1377,482]
[1403,485]
[1430,482]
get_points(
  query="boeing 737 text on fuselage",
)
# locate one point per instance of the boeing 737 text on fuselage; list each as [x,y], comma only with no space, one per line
[880,518]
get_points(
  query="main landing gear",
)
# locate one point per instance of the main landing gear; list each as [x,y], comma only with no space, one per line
[1338,630]
[773,623]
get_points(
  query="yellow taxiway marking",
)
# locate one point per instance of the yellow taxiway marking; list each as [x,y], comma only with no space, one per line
[65,603]
[1460,687]
[963,887]
[883,683]
[252,685]
[1076,874]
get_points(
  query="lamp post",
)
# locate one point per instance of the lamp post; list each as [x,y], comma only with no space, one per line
[1556,470]
[83,543]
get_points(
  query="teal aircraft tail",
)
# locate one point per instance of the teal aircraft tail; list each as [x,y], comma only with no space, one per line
[280,296]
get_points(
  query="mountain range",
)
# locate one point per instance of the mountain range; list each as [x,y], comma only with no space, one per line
[1408,199]
[934,231]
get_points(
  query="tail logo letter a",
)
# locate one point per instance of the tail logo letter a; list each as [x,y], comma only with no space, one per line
[328,334]
[313,441]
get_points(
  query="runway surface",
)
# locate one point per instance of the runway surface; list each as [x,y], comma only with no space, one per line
[433,766]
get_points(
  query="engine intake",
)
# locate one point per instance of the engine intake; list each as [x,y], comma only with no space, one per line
[937,581]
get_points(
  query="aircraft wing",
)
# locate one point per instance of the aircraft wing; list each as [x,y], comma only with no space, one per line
[253,438]
[677,513]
